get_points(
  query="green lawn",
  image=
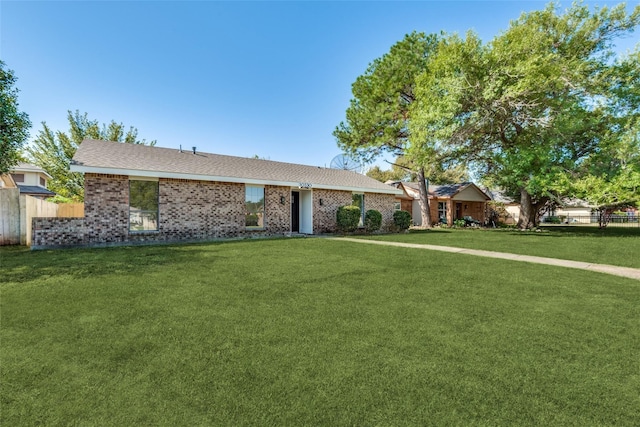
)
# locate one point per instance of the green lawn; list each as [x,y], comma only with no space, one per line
[312,332]
[614,245]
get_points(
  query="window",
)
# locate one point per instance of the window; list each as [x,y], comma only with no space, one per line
[43,182]
[18,177]
[143,205]
[358,200]
[396,206]
[254,206]
[442,212]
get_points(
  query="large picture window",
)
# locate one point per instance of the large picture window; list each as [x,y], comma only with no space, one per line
[254,207]
[143,205]
[358,200]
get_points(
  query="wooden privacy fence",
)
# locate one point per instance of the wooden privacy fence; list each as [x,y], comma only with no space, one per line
[17,212]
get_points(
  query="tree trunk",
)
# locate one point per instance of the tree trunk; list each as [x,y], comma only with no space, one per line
[527,218]
[424,199]
[603,217]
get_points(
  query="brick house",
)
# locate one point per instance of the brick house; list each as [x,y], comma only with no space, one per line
[446,202]
[138,194]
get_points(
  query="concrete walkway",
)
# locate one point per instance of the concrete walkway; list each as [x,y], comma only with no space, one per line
[631,273]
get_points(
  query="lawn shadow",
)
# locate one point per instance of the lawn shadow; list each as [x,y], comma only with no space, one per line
[20,264]
[430,231]
[589,231]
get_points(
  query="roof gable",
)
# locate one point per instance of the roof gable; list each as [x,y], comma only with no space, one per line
[141,160]
[28,167]
[471,193]
[460,191]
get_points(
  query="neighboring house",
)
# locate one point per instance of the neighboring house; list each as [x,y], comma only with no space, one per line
[570,211]
[22,197]
[446,202]
[507,209]
[136,193]
[29,179]
[404,201]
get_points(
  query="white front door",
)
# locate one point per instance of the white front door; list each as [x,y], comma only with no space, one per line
[306,212]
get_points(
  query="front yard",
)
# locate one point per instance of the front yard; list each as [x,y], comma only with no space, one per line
[311,332]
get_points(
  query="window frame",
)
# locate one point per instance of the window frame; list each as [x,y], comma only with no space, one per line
[248,187]
[362,207]
[442,211]
[141,212]
[18,177]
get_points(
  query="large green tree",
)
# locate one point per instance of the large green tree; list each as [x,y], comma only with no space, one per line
[378,117]
[610,177]
[14,124]
[526,109]
[384,175]
[438,172]
[53,151]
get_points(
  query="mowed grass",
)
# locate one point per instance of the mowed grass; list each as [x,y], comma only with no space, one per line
[614,245]
[312,332]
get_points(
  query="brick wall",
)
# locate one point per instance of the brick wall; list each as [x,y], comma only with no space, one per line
[192,210]
[476,210]
[325,215]
[278,214]
[382,203]
[189,210]
[106,208]
[51,232]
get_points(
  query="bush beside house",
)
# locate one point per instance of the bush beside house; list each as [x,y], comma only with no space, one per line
[348,218]
[402,220]
[372,220]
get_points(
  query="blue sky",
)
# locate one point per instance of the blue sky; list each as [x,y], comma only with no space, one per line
[271,79]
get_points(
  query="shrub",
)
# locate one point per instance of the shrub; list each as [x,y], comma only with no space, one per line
[348,218]
[402,220]
[372,220]
[459,223]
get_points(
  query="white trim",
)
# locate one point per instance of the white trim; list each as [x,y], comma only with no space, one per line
[306,212]
[250,181]
[34,169]
[143,178]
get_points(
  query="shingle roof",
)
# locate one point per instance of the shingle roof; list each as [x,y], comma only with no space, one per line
[34,189]
[442,191]
[134,159]
[447,190]
[499,196]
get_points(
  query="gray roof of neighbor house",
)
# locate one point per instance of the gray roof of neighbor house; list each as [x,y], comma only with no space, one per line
[145,161]
[500,196]
[446,190]
[35,190]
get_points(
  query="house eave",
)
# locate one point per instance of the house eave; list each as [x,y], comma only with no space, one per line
[234,179]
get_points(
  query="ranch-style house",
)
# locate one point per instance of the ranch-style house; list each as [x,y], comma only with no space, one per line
[143,194]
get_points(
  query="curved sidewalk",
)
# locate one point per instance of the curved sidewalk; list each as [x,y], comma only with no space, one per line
[631,273]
